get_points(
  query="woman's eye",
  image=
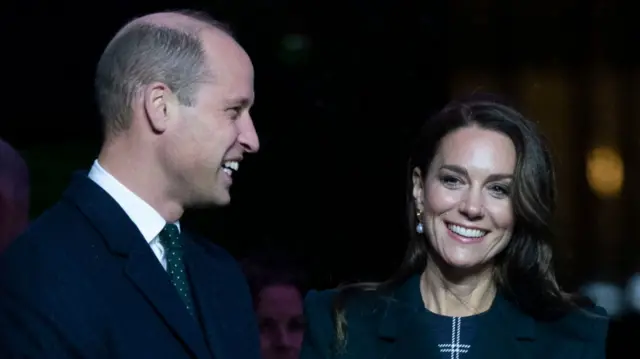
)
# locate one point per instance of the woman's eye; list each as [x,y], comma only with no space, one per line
[500,190]
[450,181]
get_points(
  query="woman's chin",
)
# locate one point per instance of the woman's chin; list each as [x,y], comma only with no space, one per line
[462,265]
[462,261]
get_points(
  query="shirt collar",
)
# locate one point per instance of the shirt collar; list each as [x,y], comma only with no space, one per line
[145,217]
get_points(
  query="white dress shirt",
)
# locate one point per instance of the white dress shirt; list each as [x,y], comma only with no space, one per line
[147,219]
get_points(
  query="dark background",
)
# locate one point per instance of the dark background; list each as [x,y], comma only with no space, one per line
[340,89]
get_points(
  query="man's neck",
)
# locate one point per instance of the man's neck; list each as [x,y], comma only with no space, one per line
[137,174]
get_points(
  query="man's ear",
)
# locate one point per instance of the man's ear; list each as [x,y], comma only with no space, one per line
[158,101]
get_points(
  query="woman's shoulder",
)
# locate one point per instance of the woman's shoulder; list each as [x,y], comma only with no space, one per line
[357,307]
[318,307]
[586,324]
[320,298]
[322,303]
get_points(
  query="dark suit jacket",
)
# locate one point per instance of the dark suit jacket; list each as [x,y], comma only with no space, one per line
[83,283]
[394,327]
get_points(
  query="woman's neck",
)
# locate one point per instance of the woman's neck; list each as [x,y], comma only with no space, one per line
[458,293]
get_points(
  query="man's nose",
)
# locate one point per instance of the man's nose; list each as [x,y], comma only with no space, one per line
[248,137]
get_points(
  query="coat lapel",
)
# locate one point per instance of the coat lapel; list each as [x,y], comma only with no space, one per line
[404,330]
[208,279]
[507,332]
[142,268]
[145,272]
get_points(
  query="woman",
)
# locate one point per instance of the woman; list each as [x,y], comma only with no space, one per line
[14,194]
[277,287]
[477,278]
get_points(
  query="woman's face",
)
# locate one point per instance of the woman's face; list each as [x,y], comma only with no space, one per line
[281,321]
[464,200]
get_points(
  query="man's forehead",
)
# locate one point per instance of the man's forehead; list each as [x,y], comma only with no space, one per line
[232,75]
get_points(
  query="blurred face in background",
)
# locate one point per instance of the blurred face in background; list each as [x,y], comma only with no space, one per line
[281,320]
[14,195]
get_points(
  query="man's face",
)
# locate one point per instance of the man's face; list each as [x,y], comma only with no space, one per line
[281,321]
[209,140]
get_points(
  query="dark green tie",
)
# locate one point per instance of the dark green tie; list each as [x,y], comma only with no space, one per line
[172,243]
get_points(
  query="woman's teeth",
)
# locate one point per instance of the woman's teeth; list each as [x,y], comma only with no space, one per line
[466,232]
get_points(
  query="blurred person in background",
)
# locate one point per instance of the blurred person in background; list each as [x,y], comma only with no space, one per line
[607,295]
[14,194]
[633,293]
[477,279]
[625,326]
[278,287]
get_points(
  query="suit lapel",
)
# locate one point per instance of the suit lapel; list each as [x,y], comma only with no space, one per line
[142,267]
[208,281]
[145,272]
[403,330]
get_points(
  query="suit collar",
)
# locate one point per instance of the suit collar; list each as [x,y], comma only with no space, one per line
[403,326]
[141,266]
[145,217]
[103,212]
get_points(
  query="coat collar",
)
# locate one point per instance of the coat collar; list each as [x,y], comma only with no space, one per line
[141,267]
[404,332]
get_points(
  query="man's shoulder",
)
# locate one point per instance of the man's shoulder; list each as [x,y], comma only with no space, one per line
[44,269]
[49,248]
[53,228]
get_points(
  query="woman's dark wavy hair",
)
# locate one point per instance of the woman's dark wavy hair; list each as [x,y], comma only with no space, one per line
[524,273]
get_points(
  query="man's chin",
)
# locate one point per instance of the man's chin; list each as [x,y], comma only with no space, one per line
[220,198]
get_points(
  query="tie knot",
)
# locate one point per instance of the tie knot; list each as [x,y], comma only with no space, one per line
[170,236]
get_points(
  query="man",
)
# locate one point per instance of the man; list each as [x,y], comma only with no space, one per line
[107,272]
[14,194]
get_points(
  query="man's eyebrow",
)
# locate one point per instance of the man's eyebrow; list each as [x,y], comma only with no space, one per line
[241,101]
